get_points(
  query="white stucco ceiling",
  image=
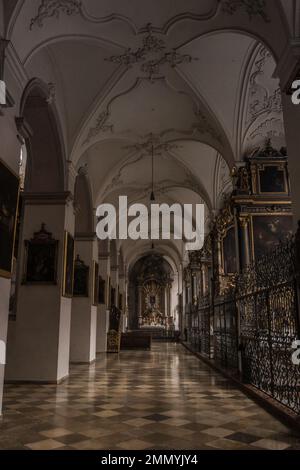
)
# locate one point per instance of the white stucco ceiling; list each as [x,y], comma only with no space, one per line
[208,105]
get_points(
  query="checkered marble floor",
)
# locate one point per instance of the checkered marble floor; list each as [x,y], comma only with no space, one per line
[160,399]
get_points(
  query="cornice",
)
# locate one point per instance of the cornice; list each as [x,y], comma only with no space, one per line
[59,198]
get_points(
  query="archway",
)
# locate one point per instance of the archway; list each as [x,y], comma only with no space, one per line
[41,324]
[150,287]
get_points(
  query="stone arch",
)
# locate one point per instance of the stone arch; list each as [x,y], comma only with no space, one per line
[39,126]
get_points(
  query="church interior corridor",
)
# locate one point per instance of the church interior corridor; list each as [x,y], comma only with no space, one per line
[160,399]
[149,227]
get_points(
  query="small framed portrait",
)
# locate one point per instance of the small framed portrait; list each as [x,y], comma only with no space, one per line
[101,293]
[9,197]
[40,262]
[81,278]
[272,180]
[68,266]
[95,283]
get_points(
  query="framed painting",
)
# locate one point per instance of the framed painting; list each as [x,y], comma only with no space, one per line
[268,231]
[9,198]
[272,180]
[68,266]
[229,252]
[101,292]
[81,278]
[95,283]
[40,261]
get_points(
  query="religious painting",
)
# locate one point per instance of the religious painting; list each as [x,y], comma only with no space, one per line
[9,197]
[101,293]
[81,278]
[40,262]
[68,272]
[95,283]
[268,231]
[229,252]
[272,179]
[152,305]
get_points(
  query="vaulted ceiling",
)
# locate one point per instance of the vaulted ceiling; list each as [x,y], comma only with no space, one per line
[192,77]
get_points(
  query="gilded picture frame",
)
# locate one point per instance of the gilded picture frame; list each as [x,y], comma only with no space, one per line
[272,179]
[40,259]
[9,200]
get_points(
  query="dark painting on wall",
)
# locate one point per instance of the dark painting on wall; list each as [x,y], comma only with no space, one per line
[95,283]
[102,287]
[272,180]
[268,231]
[9,196]
[40,265]
[229,252]
[81,278]
[68,272]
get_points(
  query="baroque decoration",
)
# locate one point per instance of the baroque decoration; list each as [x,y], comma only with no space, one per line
[261,101]
[251,7]
[151,56]
[153,143]
[52,8]
[101,125]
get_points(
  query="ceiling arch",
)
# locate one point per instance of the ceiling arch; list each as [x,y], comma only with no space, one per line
[195,77]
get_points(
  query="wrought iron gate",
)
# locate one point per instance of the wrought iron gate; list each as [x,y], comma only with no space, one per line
[204,322]
[226,333]
[255,325]
[199,327]
[266,298]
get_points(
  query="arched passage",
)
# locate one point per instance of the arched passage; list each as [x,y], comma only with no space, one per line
[150,287]
[41,324]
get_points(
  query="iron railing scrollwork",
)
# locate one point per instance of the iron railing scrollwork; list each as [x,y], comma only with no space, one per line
[255,325]
[267,301]
[199,327]
[226,333]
